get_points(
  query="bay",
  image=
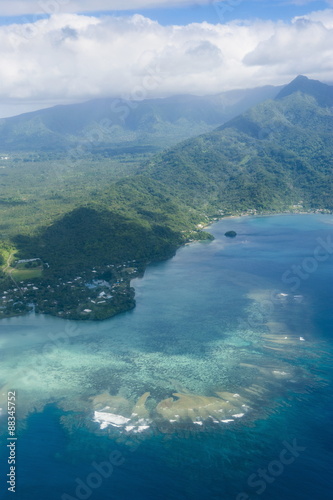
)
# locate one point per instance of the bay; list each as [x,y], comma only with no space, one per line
[249,316]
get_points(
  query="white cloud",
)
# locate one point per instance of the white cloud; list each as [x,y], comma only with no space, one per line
[305,46]
[71,57]
[324,17]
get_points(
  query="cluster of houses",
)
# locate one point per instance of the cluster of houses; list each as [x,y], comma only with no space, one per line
[84,291]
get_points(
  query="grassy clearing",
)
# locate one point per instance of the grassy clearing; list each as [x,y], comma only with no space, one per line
[17,274]
[26,274]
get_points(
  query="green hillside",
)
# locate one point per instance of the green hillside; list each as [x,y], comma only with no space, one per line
[135,219]
[277,154]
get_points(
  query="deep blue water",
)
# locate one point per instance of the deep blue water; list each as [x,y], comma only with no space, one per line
[188,309]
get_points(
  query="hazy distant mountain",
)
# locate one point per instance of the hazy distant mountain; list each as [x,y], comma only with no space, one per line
[322,92]
[110,122]
[276,154]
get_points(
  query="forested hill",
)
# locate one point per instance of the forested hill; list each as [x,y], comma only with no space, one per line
[126,125]
[277,154]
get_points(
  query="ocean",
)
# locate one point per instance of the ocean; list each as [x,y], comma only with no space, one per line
[217,386]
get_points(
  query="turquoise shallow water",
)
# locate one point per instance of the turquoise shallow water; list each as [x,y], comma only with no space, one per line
[209,320]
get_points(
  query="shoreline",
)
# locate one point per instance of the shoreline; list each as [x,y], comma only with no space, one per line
[128,303]
[264,214]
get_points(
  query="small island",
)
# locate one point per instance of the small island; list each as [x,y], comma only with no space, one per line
[230,234]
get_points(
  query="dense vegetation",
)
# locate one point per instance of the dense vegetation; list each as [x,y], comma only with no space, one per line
[92,220]
[96,238]
[276,155]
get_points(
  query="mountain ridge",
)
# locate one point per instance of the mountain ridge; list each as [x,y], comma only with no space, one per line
[264,159]
[108,121]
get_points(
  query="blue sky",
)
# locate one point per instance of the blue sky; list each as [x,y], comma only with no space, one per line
[245,10]
[199,11]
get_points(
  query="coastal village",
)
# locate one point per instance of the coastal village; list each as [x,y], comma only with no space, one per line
[95,294]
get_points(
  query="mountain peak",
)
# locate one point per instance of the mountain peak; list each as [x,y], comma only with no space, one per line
[320,91]
[302,78]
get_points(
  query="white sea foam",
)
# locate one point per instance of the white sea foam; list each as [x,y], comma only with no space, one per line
[129,428]
[142,428]
[105,419]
